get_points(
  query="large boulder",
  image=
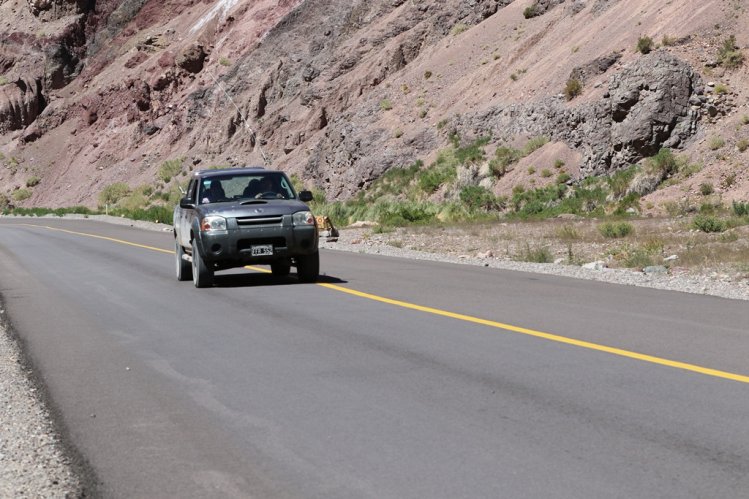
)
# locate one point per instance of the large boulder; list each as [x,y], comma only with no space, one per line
[650,107]
[647,107]
[192,59]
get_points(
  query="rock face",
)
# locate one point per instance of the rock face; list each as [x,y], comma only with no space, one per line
[20,104]
[326,88]
[303,83]
[595,68]
[647,107]
[50,10]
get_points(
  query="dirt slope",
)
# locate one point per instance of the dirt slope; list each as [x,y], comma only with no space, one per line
[337,91]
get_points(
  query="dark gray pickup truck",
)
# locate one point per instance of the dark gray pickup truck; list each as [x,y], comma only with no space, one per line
[239,216]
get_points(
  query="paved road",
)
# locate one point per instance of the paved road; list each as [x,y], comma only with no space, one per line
[269,388]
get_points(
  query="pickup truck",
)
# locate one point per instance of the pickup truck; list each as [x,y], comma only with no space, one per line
[234,217]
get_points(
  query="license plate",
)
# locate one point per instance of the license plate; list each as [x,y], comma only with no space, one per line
[262,250]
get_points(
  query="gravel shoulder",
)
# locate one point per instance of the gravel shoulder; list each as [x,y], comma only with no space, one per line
[35,462]
[492,248]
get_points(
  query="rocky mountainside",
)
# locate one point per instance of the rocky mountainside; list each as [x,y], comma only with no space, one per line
[337,92]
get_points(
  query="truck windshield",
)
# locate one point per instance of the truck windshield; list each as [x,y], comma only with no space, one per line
[218,189]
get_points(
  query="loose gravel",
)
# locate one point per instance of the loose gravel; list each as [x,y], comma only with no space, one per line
[707,283]
[34,461]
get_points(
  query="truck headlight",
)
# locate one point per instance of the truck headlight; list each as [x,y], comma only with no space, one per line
[212,223]
[303,218]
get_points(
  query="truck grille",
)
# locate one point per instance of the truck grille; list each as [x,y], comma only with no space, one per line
[265,220]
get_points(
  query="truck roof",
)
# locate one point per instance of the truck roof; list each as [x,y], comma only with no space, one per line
[224,171]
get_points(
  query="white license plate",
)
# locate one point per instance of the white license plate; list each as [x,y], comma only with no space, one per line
[262,250]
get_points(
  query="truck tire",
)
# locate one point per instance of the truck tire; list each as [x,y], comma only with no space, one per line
[308,267]
[280,269]
[184,268]
[202,275]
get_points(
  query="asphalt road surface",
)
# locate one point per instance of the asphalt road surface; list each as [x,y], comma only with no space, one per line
[431,380]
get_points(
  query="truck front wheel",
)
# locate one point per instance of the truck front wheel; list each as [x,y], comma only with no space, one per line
[202,275]
[184,270]
[308,267]
[280,269]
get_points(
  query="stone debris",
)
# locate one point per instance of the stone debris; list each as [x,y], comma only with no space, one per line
[33,461]
[597,265]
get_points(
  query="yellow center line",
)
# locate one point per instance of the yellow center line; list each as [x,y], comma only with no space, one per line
[475,320]
[547,336]
[111,239]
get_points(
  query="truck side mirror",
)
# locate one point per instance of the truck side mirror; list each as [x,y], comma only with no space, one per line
[186,203]
[305,196]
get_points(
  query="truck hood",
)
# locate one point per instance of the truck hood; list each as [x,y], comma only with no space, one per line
[254,207]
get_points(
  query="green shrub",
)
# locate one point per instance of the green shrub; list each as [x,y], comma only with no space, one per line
[716,143]
[615,230]
[21,195]
[386,104]
[546,173]
[458,29]
[573,88]
[631,200]
[476,197]
[563,178]
[740,209]
[4,202]
[472,153]
[742,145]
[668,41]
[729,54]
[558,163]
[537,202]
[33,181]
[536,254]
[224,61]
[664,163]
[534,144]
[169,169]
[440,173]
[645,44]
[706,188]
[132,202]
[567,233]
[620,181]
[744,120]
[531,170]
[503,158]
[721,89]
[709,223]
[689,169]
[112,193]
[3,81]
[729,180]
[531,11]
[638,258]
[162,214]
[407,213]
